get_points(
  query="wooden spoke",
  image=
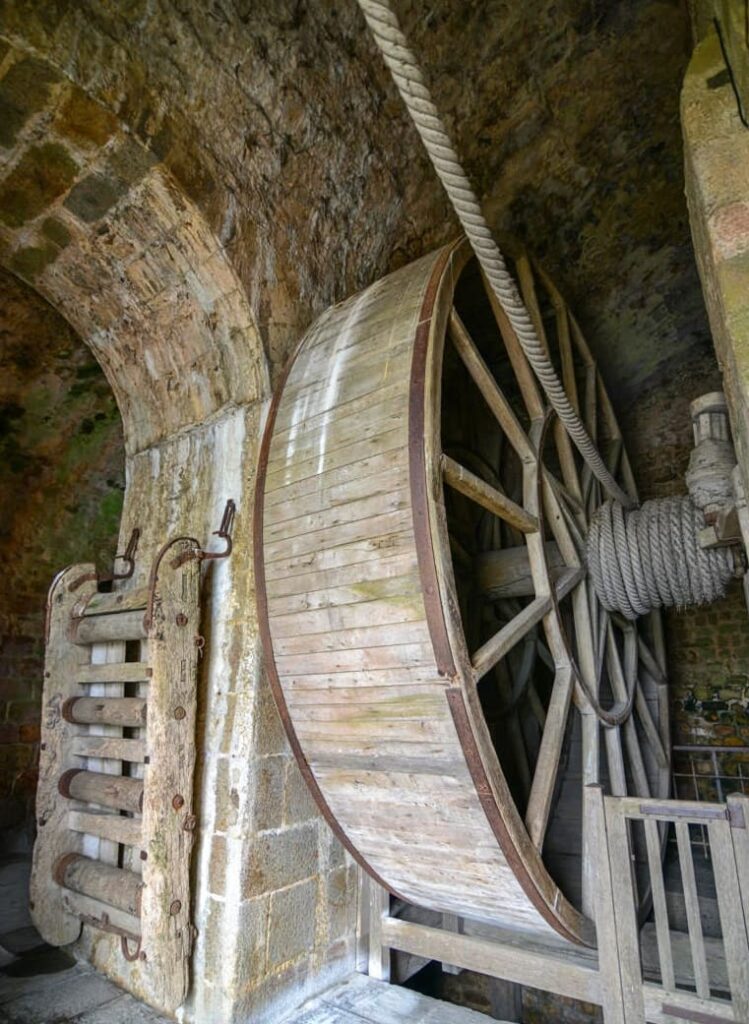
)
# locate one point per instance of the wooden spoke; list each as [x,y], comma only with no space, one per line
[619,688]
[473,487]
[615,761]
[487,385]
[504,684]
[549,754]
[649,662]
[650,728]
[487,656]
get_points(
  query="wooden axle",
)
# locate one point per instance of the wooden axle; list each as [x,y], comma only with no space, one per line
[116,791]
[507,573]
[122,711]
[114,886]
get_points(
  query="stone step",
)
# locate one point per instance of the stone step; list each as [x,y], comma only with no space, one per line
[362,1000]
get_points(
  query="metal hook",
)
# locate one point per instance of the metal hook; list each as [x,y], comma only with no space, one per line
[129,556]
[224,532]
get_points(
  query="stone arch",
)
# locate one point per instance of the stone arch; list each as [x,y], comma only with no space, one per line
[93,221]
[90,218]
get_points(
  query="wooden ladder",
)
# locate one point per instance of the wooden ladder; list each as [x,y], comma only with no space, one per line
[115,795]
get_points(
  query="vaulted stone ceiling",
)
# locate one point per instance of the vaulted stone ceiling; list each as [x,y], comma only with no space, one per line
[280,121]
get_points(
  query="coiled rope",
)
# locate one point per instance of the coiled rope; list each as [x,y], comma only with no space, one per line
[413,90]
[651,557]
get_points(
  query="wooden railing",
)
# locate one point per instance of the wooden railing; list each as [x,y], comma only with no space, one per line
[628,840]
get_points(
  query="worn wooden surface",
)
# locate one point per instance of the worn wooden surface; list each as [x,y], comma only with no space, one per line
[368,645]
[168,811]
[347,618]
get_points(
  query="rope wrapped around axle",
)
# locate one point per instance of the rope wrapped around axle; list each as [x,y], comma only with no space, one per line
[651,557]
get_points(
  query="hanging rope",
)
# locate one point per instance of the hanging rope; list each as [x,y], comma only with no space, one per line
[415,94]
[651,557]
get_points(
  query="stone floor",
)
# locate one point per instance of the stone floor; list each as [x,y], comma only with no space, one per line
[45,986]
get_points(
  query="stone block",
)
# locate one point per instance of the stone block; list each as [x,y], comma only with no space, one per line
[43,174]
[24,712]
[270,737]
[31,260]
[339,907]
[299,803]
[92,197]
[130,161]
[278,859]
[269,794]
[292,922]
[217,866]
[56,232]
[85,121]
[212,931]
[25,89]
[227,798]
[332,853]
[252,940]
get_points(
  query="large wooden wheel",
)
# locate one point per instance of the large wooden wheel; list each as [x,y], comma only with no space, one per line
[446,675]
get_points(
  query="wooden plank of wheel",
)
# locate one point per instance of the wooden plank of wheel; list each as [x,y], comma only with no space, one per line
[414,696]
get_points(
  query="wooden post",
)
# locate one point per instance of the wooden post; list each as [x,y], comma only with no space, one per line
[61,666]
[608,947]
[738,898]
[362,920]
[168,812]
[624,892]
[451,923]
[379,954]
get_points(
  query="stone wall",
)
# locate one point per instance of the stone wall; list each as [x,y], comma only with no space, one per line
[61,488]
[94,221]
[712,659]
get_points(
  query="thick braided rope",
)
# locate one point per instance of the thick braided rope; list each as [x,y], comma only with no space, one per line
[415,94]
[651,557]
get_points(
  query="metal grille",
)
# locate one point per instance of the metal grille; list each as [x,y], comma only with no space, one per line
[708,773]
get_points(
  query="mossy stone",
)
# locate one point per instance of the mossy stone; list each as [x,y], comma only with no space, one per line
[43,173]
[30,261]
[94,196]
[85,121]
[56,232]
[24,90]
[131,162]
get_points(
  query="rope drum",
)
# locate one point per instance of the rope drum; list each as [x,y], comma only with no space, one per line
[651,557]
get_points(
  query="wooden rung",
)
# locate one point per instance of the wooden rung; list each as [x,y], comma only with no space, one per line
[113,886]
[122,711]
[117,602]
[92,911]
[115,672]
[116,791]
[113,827]
[100,629]
[473,487]
[112,747]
